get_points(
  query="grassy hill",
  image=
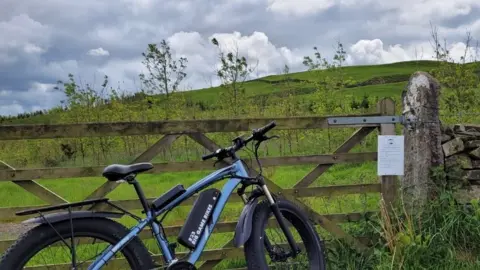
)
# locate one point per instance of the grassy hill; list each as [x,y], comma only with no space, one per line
[385,80]
[366,76]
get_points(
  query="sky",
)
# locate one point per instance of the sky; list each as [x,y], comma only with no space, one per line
[42,41]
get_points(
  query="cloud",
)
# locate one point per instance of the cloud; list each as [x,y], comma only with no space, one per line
[299,8]
[374,52]
[45,97]
[43,41]
[258,49]
[436,10]
[22,38]
[98,52]
[202,58]
[12,109]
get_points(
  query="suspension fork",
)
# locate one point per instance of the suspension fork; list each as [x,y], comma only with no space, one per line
[280,219]
[278,216]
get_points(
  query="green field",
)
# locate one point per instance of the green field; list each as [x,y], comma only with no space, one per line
[367,82]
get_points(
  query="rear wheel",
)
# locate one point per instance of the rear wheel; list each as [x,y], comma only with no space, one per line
[258,256]
[46,246]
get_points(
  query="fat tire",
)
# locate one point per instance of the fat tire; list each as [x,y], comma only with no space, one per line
[39,237]
[254,248]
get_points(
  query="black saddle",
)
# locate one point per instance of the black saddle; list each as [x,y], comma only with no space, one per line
[117,172]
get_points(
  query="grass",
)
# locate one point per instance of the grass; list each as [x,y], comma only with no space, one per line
[261,86]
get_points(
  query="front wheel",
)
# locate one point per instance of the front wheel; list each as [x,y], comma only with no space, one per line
[258,247]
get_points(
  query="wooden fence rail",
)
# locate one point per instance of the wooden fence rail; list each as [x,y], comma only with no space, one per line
[195,129]
[38,131]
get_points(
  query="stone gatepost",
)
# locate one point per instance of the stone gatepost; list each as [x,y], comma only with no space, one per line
[423,145]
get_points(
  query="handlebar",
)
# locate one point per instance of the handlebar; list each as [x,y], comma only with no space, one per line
[257,135]
[209,156]
[263,130]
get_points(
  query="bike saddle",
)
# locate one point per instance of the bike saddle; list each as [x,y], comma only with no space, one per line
[117,172]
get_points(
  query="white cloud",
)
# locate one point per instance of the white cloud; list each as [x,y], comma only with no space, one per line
[299,7]
[202,58]
[98,52]
[21,31]
[374,52]
[32,49]
[403,12]
[417,11]
[42,87]
[61,68]
[258,48]
[133,33]
[11,109]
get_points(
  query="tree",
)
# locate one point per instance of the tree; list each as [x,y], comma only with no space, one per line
[83,104]
[329,77]
[164,77]
[317,62]
[233,72]
[459,78]
[164,72]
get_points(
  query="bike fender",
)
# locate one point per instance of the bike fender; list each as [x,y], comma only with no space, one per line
[244,225]
[62,216]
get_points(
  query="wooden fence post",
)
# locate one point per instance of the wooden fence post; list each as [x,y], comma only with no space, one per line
[389,185]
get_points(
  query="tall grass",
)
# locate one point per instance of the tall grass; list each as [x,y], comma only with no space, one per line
[443,235]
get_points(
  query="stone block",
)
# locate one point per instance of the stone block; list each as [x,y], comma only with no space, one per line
[446,138]
[472,144]
[453,147]
[467,194]
[475,154]
[472,175]
[463,161]
[459,128]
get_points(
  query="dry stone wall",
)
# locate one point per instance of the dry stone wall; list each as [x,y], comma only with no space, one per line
[461,148]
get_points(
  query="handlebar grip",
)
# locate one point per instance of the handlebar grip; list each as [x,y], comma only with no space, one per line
[209,156]
[266,128]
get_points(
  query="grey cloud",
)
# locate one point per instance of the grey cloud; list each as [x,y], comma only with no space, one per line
[44,97]
[59,34]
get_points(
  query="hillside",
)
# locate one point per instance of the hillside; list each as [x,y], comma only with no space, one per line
[385,80]
[365,75]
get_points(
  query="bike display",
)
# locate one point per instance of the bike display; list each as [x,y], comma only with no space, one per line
[68,231]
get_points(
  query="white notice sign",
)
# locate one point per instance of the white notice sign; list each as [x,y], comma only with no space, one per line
[390,155]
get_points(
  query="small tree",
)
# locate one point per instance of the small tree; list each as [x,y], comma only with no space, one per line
[84,104]
[164,73]
[329,77]
[459,78]
[315,63]
[164,77]
[233,72]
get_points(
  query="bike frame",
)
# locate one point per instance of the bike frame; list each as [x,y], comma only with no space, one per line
[237,169]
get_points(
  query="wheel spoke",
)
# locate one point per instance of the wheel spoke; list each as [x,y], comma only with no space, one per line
[43,247]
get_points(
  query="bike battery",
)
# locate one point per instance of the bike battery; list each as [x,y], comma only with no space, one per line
[198,217]
[168,197]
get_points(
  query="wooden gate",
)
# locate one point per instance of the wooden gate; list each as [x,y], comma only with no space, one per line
[196,130]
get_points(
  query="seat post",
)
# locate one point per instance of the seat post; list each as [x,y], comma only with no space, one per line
[143,200]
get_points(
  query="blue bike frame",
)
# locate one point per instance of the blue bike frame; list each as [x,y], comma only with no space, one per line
[237,168]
